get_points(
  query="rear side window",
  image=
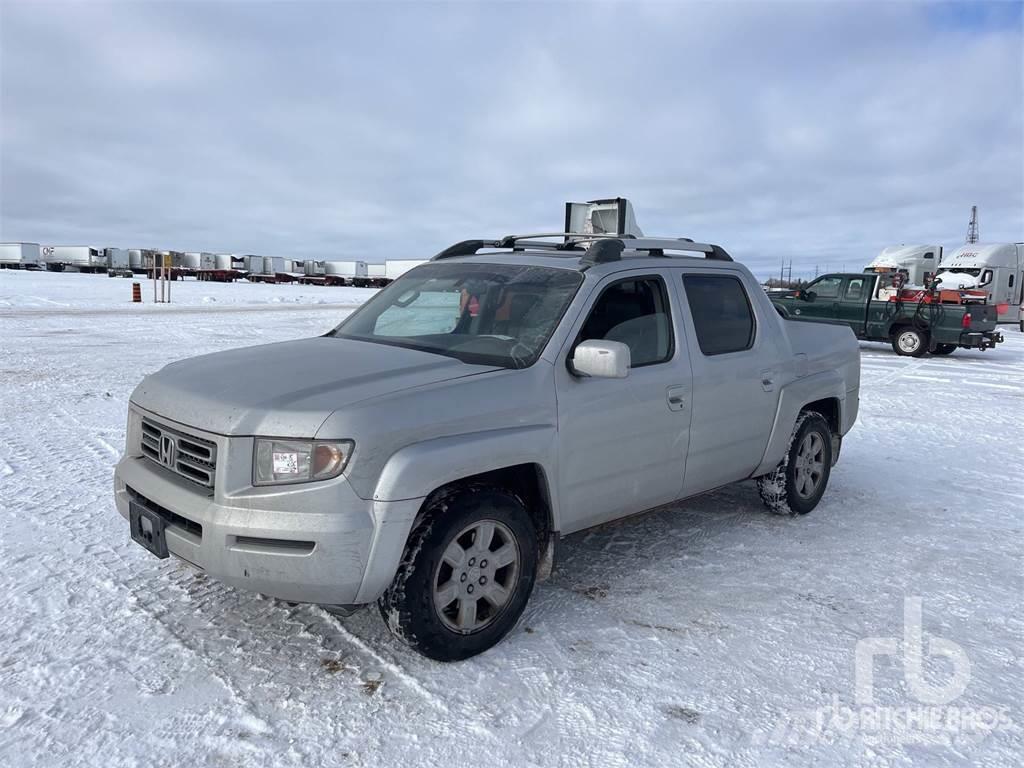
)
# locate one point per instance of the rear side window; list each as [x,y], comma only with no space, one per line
[855,288]
[722,317]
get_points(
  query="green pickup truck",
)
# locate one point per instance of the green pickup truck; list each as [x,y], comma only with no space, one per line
[914,321]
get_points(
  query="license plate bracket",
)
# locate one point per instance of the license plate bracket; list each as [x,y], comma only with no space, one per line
[148,529]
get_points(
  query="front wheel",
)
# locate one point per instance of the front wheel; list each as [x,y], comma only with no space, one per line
[944,349]
[798,483]
[467,574]
[910,342]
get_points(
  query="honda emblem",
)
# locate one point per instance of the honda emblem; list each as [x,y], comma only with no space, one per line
[168,451]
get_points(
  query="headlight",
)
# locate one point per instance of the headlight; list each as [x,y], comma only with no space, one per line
[299,461]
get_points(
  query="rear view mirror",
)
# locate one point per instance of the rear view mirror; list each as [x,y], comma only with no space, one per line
[601,359]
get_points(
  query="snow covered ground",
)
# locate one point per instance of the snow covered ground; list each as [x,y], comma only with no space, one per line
[73,292]
[710,634]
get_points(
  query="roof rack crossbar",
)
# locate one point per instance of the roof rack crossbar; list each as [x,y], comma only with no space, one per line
[603,248]
[509,240]
[470,247]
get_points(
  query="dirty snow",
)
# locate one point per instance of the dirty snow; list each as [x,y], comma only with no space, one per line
[707,634]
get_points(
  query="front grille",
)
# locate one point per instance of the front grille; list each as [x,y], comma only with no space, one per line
[191,457]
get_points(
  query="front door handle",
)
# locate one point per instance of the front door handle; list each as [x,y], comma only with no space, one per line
[676,398]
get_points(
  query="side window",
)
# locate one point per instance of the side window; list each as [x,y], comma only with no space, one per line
[635,312]
[722,317]
[855,288]
[929,255]
[826,287]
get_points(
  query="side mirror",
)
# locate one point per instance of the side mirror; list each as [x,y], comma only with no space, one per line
[808,295]
[601,359]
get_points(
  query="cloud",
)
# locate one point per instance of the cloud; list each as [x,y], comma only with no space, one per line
[813,132]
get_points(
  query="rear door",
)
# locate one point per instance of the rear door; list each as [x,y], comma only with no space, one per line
[622,442]
[736,362]
[851,306]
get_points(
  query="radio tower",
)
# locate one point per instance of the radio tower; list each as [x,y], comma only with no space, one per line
[972,228]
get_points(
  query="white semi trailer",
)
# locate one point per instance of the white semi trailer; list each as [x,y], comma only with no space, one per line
[118,262]
[253,264]
[226,261]
[140,260]
[376,274]
[996,268]
[918,262]
[20,256]
[395,268]
[273,265]
[79,258]
[197,260]
[345,269]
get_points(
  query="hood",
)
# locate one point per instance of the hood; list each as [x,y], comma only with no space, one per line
[904,255]
[951,279]
[290,388]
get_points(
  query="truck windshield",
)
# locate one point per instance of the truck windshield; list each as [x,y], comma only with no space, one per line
[491,314]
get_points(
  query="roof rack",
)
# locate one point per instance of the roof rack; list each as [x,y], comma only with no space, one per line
[602,248]
[602,252]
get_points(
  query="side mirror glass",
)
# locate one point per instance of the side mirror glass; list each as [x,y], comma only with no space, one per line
[601,359]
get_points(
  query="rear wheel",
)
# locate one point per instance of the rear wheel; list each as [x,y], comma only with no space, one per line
[467,574]
[944,349]
[798,483]
[910,341]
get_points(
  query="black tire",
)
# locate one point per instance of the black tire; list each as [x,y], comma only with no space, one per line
[944,349]
[408,608]
[909,341]
[779,490]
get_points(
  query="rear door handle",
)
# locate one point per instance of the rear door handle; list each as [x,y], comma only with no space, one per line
[676,397]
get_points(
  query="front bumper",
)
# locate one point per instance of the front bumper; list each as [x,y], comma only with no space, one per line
[312,542]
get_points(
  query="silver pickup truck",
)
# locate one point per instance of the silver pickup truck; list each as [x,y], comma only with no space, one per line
[428,453]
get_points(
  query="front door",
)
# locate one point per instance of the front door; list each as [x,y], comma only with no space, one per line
[826,292]
[623,442]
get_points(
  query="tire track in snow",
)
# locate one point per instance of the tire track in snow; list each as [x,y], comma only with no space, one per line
[911,366]
[120,577]
[68,429]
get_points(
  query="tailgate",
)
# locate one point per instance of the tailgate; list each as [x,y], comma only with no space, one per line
[983,316]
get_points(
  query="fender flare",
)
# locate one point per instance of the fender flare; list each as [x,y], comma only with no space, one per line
[416,470]
[792,398]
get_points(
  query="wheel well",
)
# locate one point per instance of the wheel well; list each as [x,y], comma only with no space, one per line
[900,325]
[829,408]
[527,481]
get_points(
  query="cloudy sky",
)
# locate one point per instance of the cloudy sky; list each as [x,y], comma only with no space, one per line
[816,131]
